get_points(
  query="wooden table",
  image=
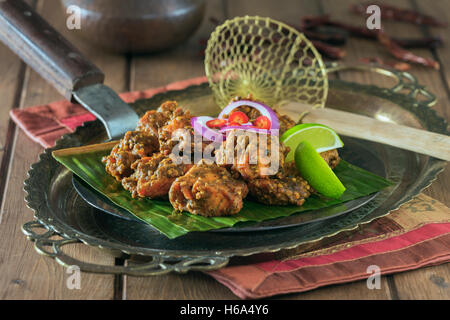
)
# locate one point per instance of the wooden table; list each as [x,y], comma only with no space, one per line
[26,275]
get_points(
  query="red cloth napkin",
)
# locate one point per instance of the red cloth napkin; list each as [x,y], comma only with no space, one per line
[47,123]
[416,235]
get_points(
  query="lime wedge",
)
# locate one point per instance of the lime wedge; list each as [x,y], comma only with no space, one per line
[316,171]
[321,137]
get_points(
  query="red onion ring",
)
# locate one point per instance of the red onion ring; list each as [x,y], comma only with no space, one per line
[262,108]
[200,127]
[250,129]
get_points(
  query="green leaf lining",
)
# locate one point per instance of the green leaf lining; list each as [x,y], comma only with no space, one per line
[86,163]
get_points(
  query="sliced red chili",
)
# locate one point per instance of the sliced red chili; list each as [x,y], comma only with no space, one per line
[238,117]
[262,122]
[216,123]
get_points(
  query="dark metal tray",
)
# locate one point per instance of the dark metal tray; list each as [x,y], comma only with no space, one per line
[61,211]
[353,150]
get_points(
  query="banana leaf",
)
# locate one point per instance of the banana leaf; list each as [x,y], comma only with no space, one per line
[86,163]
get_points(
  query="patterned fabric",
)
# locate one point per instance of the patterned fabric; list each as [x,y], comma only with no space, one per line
[416,235]
[47,123]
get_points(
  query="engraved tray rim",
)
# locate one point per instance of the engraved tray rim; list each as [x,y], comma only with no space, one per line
[36,194]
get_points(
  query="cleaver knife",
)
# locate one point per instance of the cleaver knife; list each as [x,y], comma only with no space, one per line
[45,50]
[74,76]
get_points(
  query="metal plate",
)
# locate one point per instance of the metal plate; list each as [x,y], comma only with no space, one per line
[60,209]
[99,201]
[355,152]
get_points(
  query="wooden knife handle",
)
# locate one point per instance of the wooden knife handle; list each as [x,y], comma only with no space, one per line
[44,49]
[366,128]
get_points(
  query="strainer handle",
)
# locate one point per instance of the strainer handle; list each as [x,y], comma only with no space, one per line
[50,243]
[44,49]
[405,81]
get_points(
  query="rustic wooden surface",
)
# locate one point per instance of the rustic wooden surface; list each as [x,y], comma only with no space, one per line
[26,275]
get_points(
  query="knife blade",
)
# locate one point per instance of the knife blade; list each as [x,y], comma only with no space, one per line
[367,128]
[40,46]
[116,115]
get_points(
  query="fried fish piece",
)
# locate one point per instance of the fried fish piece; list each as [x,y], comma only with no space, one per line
[331,157]
[171,109]
[285,122]
[153,120]
[134,145]
[288,187]
[280,191]
[142,163]
[208,190]
[168,132]
[153,176]
[252,155]
[164,123]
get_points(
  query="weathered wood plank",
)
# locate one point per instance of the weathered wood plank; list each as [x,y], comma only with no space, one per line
[10,67]
[439,83]
[196,285]
[440,10]
[24,274]
[431,282]
[350,291]
[13,71]
[427,283]
[154,70]
[284,11]
[10,87]
[182,62]
[291,12]
[192,285]
[408,284]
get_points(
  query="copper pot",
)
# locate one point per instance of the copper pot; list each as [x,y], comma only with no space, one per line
[137,25]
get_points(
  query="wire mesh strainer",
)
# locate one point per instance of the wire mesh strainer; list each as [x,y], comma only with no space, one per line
[267,59]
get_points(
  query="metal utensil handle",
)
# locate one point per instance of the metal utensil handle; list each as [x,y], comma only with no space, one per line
[46,244]
[44,49]
[406,82]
